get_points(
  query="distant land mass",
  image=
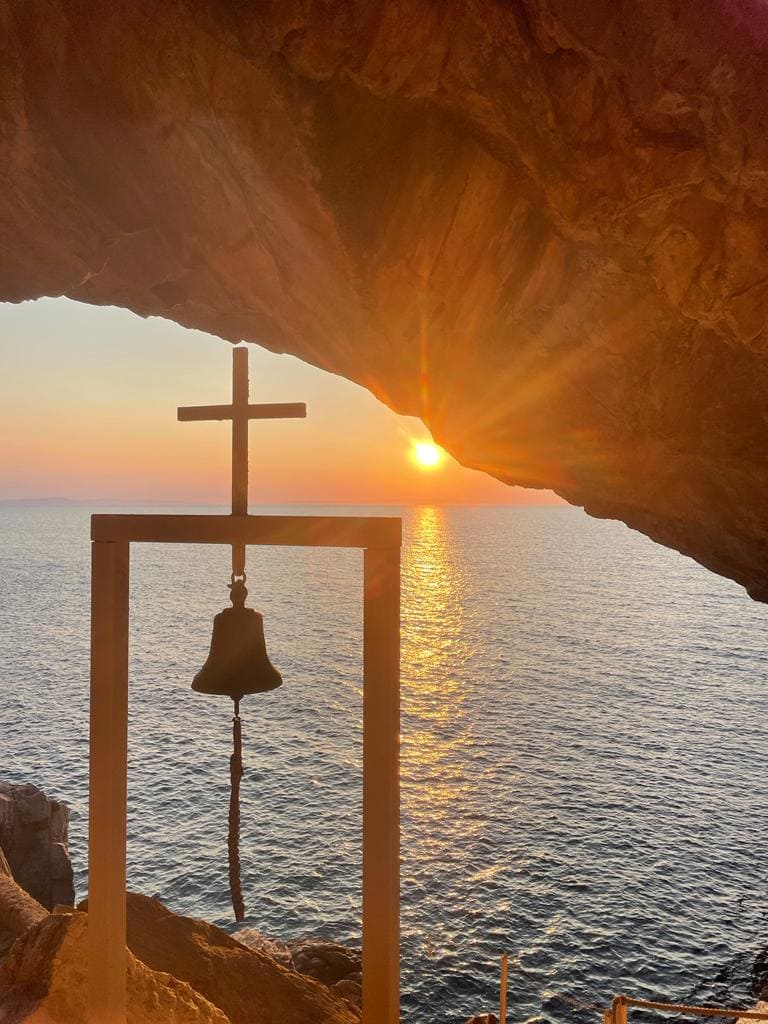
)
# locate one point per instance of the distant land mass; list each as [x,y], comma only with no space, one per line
[38,501]
[113,502]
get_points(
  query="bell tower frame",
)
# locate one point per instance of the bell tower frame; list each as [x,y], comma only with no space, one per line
[380,540]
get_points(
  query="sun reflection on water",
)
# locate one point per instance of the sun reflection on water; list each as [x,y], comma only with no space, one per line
[435,652]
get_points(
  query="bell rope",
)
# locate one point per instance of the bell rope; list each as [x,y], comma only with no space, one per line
[233,842]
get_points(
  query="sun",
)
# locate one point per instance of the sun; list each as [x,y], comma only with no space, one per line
[427,454]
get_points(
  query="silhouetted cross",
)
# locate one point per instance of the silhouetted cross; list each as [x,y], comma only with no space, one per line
[240,412]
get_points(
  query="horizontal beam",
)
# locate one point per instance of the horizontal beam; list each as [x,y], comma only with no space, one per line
[292,531]
[265,411]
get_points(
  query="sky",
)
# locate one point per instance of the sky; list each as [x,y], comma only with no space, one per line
[88,398]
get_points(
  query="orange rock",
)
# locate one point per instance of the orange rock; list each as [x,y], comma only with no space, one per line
[248,986]
[540,224]
[18,910]
[43,981]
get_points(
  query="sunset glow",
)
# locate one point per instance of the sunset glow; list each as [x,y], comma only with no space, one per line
[89,413]
[427,454]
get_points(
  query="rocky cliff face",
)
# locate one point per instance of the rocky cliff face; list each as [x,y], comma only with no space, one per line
[33,837]
[542,225]
[18,910]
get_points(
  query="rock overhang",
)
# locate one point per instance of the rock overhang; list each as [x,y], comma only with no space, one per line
[540,225]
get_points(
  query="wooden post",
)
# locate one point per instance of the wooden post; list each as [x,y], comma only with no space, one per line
[108,783]
[109,727]
[503,991]
[240,412]
[620,1010]
[239,448]
[240,432]
[381,798]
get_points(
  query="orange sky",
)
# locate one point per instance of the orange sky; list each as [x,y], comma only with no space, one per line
[88,400]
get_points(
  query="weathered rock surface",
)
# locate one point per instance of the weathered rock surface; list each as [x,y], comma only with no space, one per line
[327,961]
[274,948]
[33,837]
[351,991]
[246,985]
[18,912]
[541,225]
[339,967]
[43,981]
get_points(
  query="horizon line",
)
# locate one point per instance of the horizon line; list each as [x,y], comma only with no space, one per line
[54,500]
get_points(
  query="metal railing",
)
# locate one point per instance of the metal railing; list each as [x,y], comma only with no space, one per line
[619,1010]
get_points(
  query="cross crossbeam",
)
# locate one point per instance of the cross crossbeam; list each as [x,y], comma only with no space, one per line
[265,411]
[240,412]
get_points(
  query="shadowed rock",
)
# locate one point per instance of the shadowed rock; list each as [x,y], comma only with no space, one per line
[18,911]
[33,836]
[327,961]
[339,967]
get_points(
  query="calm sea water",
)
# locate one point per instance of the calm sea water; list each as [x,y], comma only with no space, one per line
[584,750]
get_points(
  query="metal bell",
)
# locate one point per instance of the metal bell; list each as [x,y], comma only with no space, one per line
[237,662]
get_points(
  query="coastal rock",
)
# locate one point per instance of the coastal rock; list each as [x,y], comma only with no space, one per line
[275,948]
[339,967]
[18,912]
[541,226]
[352,991]
[33,836]
[43,979]
[245,984]
[326,961]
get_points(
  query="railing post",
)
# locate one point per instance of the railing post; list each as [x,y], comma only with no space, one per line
[503,990]
[620,1010]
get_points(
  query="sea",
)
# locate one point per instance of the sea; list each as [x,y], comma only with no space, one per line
[584,755]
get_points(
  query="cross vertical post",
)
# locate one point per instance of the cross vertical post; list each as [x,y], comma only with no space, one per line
[241,412]
[239,448]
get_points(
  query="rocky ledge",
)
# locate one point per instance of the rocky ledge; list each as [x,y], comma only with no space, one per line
[181,971]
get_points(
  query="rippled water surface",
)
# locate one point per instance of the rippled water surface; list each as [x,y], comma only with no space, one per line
[584,750]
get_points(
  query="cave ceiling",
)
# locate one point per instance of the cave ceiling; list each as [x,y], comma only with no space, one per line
[540,225]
